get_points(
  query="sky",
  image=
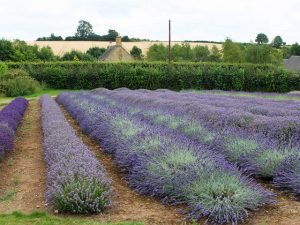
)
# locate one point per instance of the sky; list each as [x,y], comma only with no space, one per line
[212,20]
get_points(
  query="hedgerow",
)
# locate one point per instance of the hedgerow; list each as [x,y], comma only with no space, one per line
[177,76]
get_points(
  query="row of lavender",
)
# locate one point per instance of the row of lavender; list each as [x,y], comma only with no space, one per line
[283,128]
[166,164]
[76,182]
[10,118]
[255,154]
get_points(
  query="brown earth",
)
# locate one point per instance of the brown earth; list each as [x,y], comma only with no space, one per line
[22,171]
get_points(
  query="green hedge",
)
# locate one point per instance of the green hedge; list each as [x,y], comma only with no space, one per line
[177,76]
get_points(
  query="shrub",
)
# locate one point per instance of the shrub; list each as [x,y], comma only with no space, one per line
[17,82]
[177,76]
[3,68]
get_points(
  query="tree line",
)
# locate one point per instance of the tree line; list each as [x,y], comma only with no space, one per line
[260,52]
[20,51]
[85,32]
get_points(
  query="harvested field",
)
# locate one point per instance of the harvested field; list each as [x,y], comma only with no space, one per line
[61,47]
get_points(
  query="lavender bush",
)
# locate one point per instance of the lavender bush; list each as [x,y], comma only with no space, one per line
[10,118]
[166,164]
[254,154]
[76,181]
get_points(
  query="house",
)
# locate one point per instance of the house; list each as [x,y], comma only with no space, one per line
[116,53]
[293,63]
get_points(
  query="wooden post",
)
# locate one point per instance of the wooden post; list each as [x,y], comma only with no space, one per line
[169,41]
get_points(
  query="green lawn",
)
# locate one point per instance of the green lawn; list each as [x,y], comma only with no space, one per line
[51,92]
[42,218]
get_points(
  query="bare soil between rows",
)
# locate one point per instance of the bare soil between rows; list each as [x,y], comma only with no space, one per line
[24,171]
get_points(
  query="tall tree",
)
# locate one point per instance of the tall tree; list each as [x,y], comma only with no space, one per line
[136,52]
[232,52]
[157,52]
[277,42]
[84,29]
[6,50]
[215,54]
[295,49]
[201,53]
[261,38]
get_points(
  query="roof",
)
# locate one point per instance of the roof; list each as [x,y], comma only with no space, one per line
[116,53]
[293,63]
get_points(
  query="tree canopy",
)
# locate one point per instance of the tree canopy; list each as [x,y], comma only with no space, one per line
[261,38]
[84,29]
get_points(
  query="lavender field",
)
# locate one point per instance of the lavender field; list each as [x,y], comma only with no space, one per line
[207,151]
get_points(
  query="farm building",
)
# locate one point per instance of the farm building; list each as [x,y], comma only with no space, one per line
[116,53]
[293,63]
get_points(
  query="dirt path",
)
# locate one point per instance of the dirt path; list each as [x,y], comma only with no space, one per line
[128,205]
[22,172]
[285,212]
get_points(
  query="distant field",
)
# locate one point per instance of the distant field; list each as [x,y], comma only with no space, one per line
[61,47]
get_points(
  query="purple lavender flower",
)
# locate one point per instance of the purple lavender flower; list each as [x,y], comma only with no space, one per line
[76,181]
[166,164]
[10,118]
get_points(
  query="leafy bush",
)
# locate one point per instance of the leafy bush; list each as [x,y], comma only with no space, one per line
[17,82]
[3,68]
[177,76]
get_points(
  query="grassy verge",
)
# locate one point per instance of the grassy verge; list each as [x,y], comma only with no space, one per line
[51,92]
[42,218]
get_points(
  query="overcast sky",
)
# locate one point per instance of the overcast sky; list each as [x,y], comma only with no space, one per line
[191,19]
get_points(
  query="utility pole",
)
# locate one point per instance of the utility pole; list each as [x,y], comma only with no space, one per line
[169,41]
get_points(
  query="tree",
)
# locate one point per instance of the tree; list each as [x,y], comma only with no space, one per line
[261,39]
[201,53]
[24,52]
[112,34]
[136,53]
[84,29]
[232,52]
[6,50]
[46,54]
[258,54]
[215,54]
[157,52]
[277,42]
[125,38]
[51,38]
[295,49]
[182,52]
[96,52]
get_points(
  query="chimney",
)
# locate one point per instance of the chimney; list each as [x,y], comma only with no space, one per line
[118,40]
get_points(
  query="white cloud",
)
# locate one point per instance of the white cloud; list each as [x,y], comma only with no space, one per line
[191,19]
